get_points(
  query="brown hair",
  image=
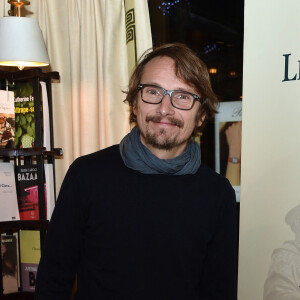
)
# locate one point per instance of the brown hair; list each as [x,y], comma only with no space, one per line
[188,67]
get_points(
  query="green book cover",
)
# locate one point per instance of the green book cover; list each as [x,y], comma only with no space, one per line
[30,254]
[24,115]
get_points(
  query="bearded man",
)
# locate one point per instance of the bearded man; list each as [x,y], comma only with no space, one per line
[146,220]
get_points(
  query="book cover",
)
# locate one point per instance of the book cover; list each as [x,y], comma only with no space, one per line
[228,126]
[24,115]
[46,117]
[9,265]
[7,119]
[49,177]
[30,254]
[27,192]
[16,235]
[8,195]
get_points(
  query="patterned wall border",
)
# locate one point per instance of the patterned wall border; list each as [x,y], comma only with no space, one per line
[131,29]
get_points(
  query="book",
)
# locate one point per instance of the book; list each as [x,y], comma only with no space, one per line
[30,254]
[27,192]
[46,118]
[24,115]
[9,263]
[16,235]
[49,177]
[7,120]
[8,195]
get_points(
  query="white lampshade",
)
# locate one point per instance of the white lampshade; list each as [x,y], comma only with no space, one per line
[22,43]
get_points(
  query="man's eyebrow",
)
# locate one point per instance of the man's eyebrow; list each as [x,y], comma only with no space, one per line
[176,89]
[152,83]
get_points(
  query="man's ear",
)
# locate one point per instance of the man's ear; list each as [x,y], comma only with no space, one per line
[134,107]
[201,120]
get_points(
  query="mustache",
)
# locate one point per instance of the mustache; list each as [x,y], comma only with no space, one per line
[158,119]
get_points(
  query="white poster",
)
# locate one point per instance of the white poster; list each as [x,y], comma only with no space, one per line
[269,257]
[228,134]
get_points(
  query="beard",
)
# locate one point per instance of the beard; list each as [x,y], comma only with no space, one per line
[161,139]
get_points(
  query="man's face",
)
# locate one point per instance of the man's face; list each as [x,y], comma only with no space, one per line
[165,130]
[296,226]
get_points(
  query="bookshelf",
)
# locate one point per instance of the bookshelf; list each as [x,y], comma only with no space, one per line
[38,154]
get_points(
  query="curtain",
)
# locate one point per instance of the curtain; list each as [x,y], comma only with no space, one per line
[94,45]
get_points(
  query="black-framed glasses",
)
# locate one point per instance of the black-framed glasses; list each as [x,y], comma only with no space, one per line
[154,94]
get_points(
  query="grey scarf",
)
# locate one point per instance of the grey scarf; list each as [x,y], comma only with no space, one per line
[138,157]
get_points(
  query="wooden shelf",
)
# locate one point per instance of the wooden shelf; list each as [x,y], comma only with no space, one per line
[30,152]
[29,73]
[17,225]
[18,296]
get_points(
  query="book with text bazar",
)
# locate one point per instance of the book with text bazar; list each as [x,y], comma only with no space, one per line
[27,192]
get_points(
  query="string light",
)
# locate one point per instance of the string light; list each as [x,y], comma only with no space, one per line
[209,48]
[166,7]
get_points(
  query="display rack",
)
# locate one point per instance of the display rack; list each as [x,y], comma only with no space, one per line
[38,152]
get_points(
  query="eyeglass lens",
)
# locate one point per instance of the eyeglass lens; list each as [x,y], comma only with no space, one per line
[180,99]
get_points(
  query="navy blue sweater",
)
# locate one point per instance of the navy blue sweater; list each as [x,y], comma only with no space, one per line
[132,236]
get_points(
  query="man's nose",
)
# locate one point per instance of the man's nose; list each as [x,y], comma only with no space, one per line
[165,106]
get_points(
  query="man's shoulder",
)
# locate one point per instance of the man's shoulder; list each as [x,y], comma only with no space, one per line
[288,249]
[210,174]
[101,158]
[213,182]
[105,153]
[207,170]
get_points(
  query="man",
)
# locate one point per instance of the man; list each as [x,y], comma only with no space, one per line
[145,219]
